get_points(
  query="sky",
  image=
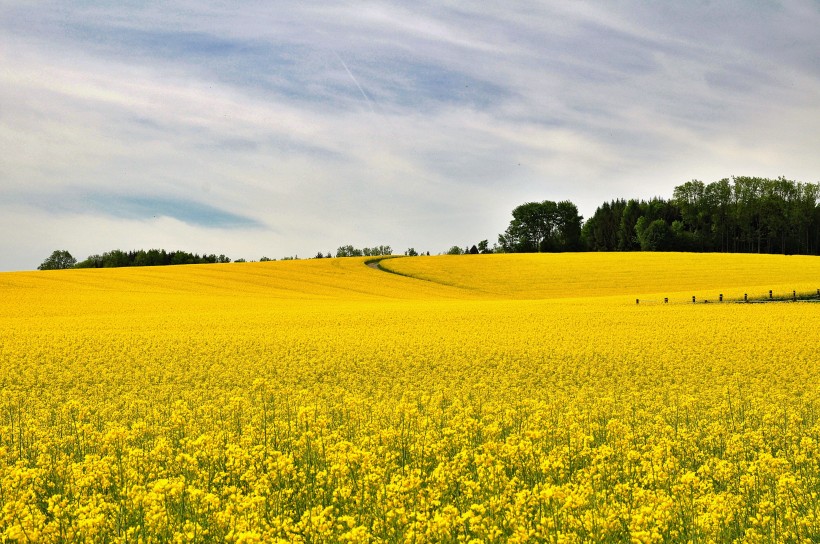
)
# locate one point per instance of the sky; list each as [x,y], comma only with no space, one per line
[267,128]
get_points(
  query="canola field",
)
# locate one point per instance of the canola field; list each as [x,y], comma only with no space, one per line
[491,398]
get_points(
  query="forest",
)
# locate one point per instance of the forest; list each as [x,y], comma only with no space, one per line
[738,215]
[153,257]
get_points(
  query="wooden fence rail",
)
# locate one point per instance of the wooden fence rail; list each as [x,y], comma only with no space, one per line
[771,296]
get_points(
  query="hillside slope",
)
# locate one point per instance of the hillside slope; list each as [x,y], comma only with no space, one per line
[621,277]
[581,275]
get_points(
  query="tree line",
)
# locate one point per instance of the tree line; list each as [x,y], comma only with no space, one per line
[62,259]
[350,251]
[741,214]
[153,257]
[738,215]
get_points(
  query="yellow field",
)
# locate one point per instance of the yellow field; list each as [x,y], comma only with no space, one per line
[677,276]
[501,398]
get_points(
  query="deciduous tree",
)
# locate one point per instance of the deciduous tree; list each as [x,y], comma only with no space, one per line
[58,260]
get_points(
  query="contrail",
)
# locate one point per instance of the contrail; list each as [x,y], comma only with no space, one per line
[361,90]
[367,99]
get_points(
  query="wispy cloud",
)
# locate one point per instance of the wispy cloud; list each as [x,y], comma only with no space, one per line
[146,207]
[309,125]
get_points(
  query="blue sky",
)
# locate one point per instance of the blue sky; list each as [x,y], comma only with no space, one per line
[280,128]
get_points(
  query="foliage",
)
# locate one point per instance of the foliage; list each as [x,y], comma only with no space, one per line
[153,257]
[543,226]
[58,260]
[653,236]
[744,214]
[322,401]
[350,251]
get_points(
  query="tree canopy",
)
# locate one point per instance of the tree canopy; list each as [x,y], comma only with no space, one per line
[350,251]
[153,257]
[58,260]
[741,214]
[543,226]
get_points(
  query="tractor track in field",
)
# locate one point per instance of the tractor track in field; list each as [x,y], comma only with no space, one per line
[375,264]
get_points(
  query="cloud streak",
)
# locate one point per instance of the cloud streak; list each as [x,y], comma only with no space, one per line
[304,127]
[145,208]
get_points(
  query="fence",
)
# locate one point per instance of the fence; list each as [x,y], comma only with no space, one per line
[754,298]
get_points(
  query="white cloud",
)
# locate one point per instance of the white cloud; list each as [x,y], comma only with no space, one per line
[469,110]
